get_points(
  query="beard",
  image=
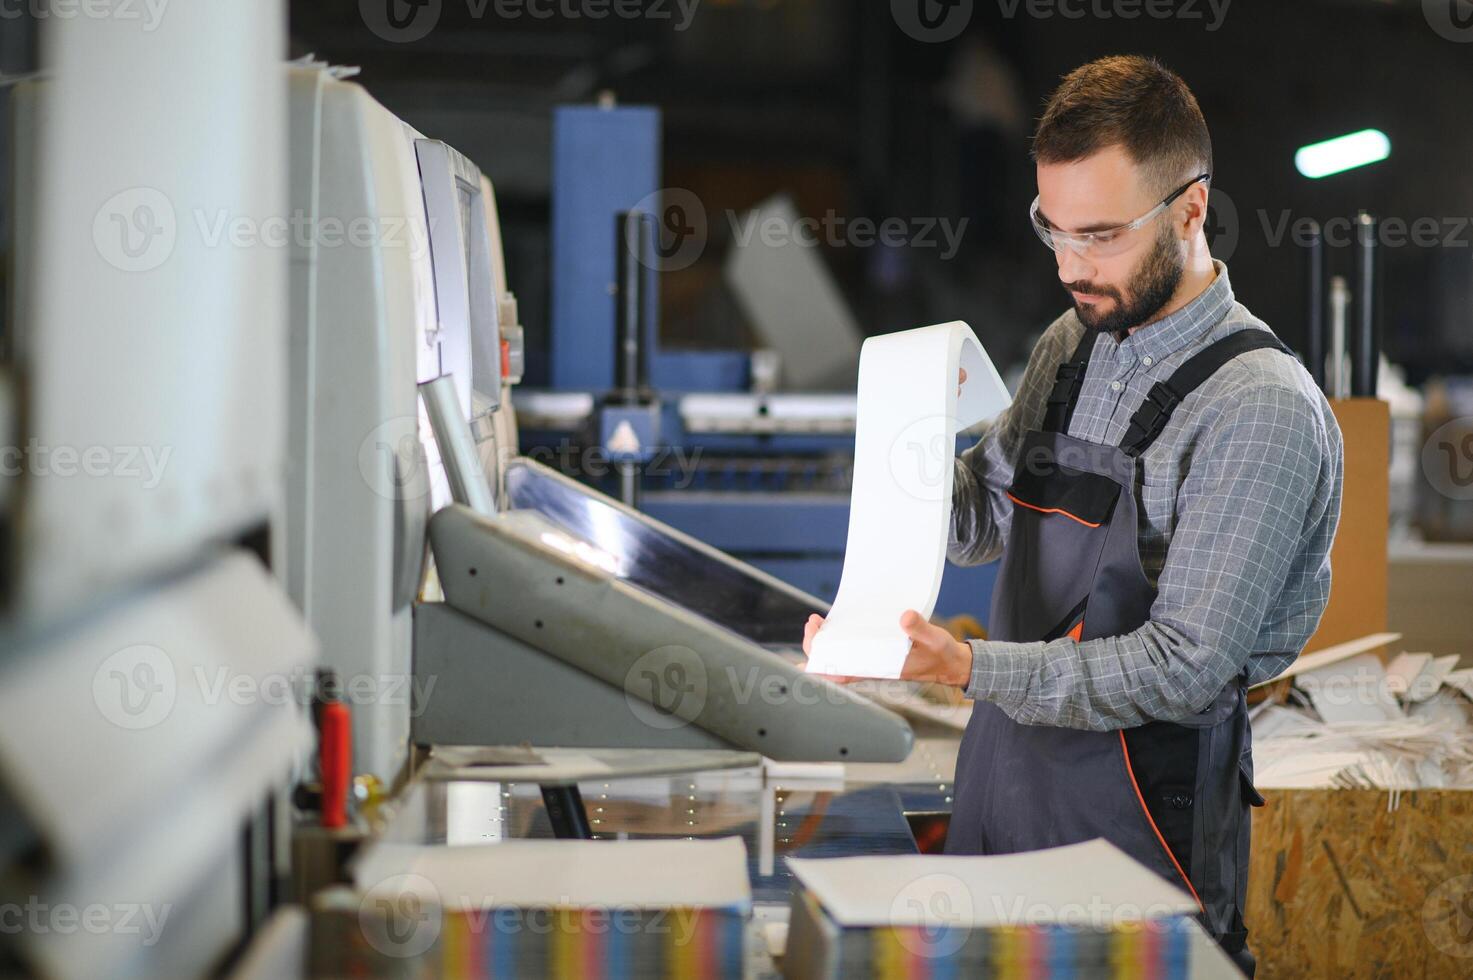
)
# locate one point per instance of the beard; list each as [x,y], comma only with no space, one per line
[1150,288]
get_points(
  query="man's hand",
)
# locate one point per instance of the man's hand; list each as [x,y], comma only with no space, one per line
[934,655]
[810,630]
[961,379]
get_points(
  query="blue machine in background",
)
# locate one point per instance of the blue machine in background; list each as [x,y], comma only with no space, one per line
[683,435]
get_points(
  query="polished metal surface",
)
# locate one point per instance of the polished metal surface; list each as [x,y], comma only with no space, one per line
[457,447]
[568,767]
[663,561]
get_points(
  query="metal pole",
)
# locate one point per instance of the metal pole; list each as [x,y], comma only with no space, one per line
[565,812]
[1365,331]
[631,377]
[630,372]
[1335,379]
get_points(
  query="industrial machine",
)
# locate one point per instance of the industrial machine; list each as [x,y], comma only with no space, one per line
[318,471]
[284,610]
[563,615]
[372,316]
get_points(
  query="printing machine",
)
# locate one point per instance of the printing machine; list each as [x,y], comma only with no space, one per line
[559,606]
[549,635]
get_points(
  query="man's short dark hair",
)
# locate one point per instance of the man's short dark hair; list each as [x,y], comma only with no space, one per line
[1132,102]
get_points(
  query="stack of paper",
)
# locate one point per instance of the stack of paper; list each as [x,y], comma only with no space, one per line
[1082,910]
[539,909]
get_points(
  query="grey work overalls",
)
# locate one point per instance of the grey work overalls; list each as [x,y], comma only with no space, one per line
[1173,795]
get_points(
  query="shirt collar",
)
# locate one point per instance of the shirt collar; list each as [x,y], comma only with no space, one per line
[1171,333]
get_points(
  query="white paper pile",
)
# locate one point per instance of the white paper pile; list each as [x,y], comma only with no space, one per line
[1085,910]
[1060,885]
[1361,724]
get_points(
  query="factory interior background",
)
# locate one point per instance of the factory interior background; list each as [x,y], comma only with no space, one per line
[429,430]
[858,120]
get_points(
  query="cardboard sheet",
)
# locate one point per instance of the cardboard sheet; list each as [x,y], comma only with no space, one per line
[1351,690]
[1403,671]
[900,507]
[1334,654]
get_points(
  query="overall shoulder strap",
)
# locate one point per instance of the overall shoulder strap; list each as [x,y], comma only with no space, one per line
[1150,419]
[1067,382]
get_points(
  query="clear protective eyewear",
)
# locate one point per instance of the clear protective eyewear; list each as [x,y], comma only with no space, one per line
[1109,241]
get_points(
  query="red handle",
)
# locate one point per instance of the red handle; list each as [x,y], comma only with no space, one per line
[335,762]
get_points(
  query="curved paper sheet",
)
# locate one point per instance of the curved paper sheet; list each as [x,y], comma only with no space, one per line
[900,507]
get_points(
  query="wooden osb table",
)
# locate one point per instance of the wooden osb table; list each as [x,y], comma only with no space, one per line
[1340,887]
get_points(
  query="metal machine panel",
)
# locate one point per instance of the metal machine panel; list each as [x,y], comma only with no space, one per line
[133,747]
[525,576]
[414,299]
[358,472]
[587,194]
[465,293]
[477,686]
[154,288]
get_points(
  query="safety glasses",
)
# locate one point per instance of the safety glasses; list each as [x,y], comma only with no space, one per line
[1109,241]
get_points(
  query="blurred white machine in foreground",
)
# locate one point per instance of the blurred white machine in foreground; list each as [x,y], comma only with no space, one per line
[145,739]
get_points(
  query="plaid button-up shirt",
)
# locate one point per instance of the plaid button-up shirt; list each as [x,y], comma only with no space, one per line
[1238,503]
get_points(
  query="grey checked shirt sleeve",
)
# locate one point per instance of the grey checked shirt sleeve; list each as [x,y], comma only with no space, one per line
[980,510]
[1250,498]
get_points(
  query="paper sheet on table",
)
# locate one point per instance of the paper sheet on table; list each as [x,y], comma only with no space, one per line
[650,874]
[1060,884]
[900,507]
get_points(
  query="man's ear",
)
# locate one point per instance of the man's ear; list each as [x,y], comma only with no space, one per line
[1191,211]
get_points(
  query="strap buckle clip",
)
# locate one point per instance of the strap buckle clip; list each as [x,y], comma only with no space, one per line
[1066,384]
[1150,419]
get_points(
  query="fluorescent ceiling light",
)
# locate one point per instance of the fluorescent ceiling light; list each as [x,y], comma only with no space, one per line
[1342,153]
